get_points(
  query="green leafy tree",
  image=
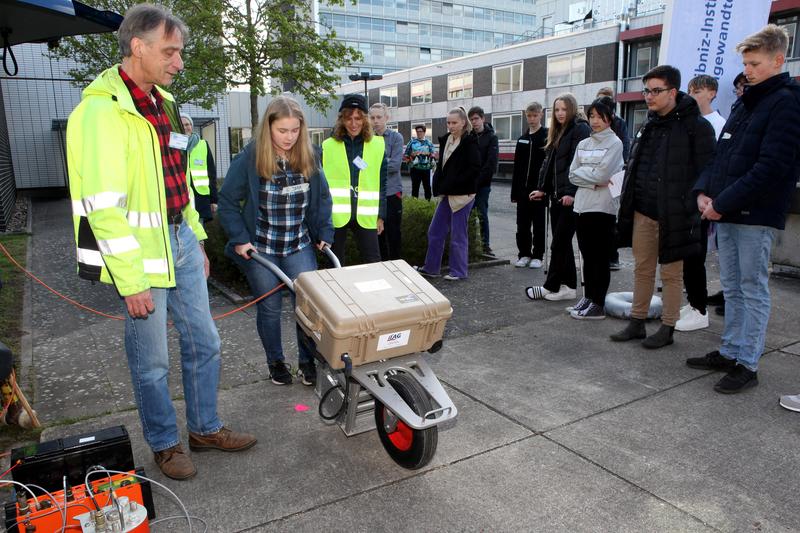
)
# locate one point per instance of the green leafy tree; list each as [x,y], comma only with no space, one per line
[268,45]
[203,79]
[273,45]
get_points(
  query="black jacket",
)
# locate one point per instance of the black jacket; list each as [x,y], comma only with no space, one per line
[557,161]
[620,127]
[528,157]
[752,178]
[687,145]
[488,146]
[460,174]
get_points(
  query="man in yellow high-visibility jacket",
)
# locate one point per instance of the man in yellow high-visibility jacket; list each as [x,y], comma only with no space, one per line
[135,227]
[354,164]
[201,172]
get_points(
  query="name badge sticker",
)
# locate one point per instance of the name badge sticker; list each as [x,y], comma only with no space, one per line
[178,141]
[726,135]
[295,188]
[524,141]
[360,163]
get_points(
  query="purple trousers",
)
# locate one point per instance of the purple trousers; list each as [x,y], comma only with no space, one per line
[444,222]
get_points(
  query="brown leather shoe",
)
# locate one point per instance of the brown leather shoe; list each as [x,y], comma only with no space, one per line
[224,439]
[174,463]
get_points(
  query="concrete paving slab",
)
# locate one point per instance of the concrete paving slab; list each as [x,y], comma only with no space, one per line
[793,349]
[729,460]
[551,372]
[531,485]
[300,462]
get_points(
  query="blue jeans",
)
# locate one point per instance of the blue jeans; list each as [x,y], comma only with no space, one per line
[148,360]
[482,205]
[268,310]
[743,261]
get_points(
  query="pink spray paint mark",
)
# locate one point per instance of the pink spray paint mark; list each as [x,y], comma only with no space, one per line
[300,408]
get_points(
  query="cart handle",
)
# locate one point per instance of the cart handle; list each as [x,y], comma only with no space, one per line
[332,256]
[263,261]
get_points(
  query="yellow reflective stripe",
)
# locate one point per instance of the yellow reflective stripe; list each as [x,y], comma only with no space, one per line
[138,219]
[341,208]
[155,266]
[90,257]
[104,200]
[77,208]
[340,192]
[369,211]
[369,195]
[120,245]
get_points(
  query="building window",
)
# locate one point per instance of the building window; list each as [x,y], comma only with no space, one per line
[389,96]
[790,25]
[566,69]
[421,92]
[507,127]
[460,85]
[239,139]
[391,126]
[317,136]
[428,129]
[507,78]
[643,57]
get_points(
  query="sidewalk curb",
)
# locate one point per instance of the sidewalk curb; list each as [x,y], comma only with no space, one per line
[26,340]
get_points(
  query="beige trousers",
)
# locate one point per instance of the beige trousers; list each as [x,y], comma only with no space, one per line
[645,255]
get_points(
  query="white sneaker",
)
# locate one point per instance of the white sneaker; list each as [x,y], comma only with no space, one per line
[448,277]
[522,262]
[685,310]
[535,263]
[791,402]
[564,293]
[692,320]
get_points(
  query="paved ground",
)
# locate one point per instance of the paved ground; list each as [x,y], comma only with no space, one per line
[558,429]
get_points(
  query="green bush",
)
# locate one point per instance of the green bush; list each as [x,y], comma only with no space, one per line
[417,216]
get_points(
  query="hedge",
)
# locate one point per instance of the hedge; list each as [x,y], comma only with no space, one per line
[417,215]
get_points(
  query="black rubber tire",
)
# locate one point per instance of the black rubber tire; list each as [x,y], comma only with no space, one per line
[418,445]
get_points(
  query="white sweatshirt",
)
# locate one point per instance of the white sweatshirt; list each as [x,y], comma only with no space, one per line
[597,158]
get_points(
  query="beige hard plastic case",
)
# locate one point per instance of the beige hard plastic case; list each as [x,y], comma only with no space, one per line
[371,312]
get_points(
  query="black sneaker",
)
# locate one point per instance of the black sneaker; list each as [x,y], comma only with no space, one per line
[487,251]
[737,380]
[582,304]
[592,312]
[307,373]
[711,361]
[720,310]
[716,299]
[279,373]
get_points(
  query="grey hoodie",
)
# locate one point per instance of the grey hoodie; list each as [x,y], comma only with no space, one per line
[597,158]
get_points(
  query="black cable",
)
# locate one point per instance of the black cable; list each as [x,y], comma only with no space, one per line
[348,369]
[7,51]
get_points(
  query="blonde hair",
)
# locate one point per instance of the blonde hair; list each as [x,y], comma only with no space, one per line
[340,130]
[463,116]
[557,129]
[771,39]
[301,157]
[380,105]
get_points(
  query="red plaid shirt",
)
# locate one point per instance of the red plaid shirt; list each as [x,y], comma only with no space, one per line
[171,159]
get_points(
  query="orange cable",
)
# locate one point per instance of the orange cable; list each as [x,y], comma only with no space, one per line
[117,317]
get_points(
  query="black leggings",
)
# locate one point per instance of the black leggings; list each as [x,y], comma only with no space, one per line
[366,240]
[420,176]
[595,232]
[562,258]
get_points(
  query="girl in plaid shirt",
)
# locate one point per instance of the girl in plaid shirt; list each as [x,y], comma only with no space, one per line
[275,201]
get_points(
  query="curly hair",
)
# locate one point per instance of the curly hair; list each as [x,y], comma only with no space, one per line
[340,131]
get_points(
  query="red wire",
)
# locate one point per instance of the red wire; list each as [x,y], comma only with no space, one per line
[117,317]
[4,474]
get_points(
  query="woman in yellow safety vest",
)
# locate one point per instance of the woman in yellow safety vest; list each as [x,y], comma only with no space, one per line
[354,163]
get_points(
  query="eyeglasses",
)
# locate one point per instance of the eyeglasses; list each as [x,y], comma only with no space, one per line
[655,92]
